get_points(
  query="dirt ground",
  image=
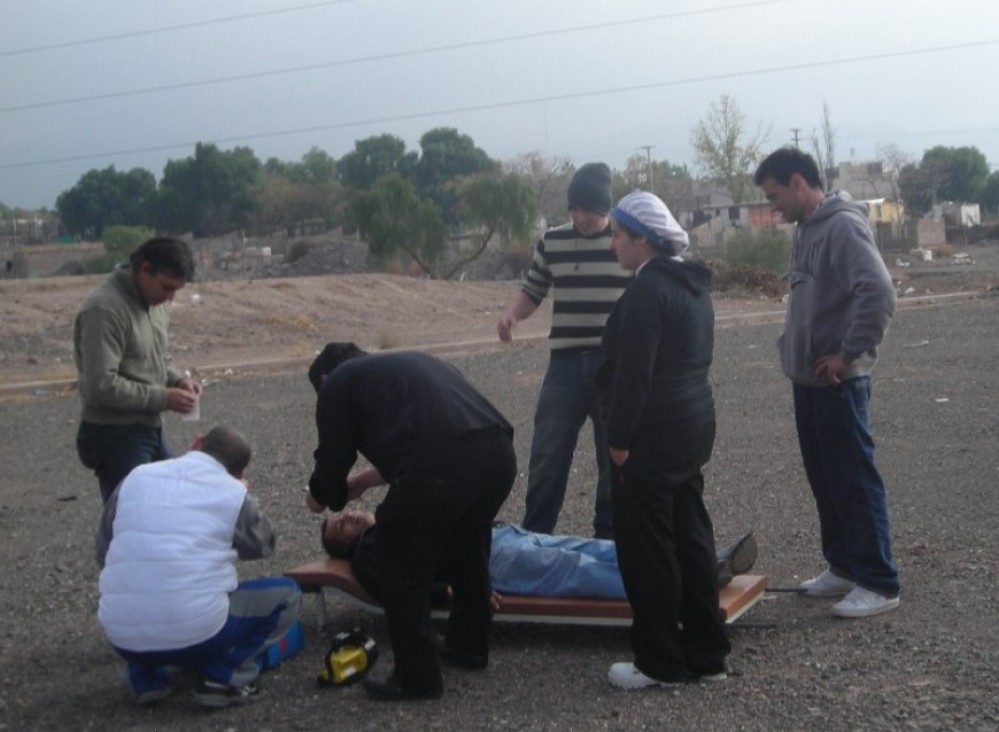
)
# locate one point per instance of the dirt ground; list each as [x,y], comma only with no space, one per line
[235,324]
[931,665]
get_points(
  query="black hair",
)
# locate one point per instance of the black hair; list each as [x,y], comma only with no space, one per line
[784,162]
[163,254]
[228,447]
[338,549]
[332,356]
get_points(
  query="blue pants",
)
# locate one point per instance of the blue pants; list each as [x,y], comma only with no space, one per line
[260,612]
[568,396]
[112,450]
[838,453]
[524,563]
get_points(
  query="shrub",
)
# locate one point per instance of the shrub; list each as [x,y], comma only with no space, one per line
[768,250]
[119,243]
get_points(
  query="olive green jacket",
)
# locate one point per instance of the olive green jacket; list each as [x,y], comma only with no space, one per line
[120,348]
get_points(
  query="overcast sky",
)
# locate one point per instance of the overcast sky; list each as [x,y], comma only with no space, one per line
[135,83]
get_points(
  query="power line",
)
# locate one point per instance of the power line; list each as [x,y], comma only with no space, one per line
[383,57]
[168,29]
[507,104]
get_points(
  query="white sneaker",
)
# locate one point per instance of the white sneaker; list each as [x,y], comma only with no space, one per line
[624,675]
[861,603]
[826,584]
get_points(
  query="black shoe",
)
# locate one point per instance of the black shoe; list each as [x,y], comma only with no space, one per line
[389,690]
[216,694]
[469,661]
[736,558]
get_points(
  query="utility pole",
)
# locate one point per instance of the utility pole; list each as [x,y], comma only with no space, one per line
[648,157]
[794,136]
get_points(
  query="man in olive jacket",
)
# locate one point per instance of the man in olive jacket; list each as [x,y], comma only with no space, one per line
[125,377]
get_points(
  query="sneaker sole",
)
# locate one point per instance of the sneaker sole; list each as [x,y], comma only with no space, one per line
[151,697]
[865,612]
[827,593]
[713,678]
[218,702]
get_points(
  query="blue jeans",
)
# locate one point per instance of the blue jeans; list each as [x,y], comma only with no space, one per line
[838,453]
[568,396]
[260,612]
[112,450]
[525,563]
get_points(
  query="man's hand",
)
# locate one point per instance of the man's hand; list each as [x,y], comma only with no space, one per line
[829,368]
[313,505]
[182,400]
[190,384]
[358,484]
[505,324]
[619,457]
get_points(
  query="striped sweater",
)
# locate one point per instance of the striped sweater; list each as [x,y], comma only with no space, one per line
[587,281]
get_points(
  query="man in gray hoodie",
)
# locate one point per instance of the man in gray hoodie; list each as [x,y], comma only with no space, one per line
[840,303]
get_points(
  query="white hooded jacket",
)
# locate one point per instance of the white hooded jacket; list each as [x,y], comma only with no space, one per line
[171,562]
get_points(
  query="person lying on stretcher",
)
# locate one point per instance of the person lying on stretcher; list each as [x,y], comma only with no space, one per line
[522,562]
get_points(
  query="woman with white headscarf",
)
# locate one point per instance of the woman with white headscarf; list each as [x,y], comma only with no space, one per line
[661,423]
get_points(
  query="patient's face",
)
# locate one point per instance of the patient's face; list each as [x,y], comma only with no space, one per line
[345,526]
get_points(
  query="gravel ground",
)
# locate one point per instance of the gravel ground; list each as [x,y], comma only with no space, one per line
[930,665]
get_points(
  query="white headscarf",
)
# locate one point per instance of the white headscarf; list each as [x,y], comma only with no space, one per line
[646,214]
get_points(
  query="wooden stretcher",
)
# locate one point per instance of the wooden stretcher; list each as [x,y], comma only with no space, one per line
[744,591]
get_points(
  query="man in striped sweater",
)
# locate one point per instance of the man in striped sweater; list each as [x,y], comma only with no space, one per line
[576,264]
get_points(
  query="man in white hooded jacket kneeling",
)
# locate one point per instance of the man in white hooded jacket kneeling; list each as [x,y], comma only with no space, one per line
[170,596]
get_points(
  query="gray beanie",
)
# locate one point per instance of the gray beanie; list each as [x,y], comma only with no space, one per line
[590,189]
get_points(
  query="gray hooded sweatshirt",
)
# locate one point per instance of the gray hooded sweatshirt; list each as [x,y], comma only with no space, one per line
[841,298]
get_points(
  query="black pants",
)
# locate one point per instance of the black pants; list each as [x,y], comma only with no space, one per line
[441,519]
[666,553]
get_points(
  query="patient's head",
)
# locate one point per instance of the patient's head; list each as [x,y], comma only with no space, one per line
[341,531]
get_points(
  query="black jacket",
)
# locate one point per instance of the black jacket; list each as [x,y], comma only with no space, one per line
[654,384]
[403,412]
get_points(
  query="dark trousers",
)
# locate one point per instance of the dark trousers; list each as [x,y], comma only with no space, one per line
[112,450]
[441,519]
[838,452]
[666,553]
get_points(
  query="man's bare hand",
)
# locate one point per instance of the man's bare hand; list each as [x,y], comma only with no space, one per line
[190,384]
[830,368]
[181,400]
[313,505]
[505,325]
[619,457]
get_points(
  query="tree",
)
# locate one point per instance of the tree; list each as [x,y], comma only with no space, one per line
[317,167]
[725,150]
[374,158]
[990,194]
[105,198]
[210,193]
[392,216]
[447,157]
[893,160]
[119,243]
[637,174]
[824,147]
[944,174]
[964,171]
[549,178]
[670,182]
[496,203]
[283,203]
[290,193]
